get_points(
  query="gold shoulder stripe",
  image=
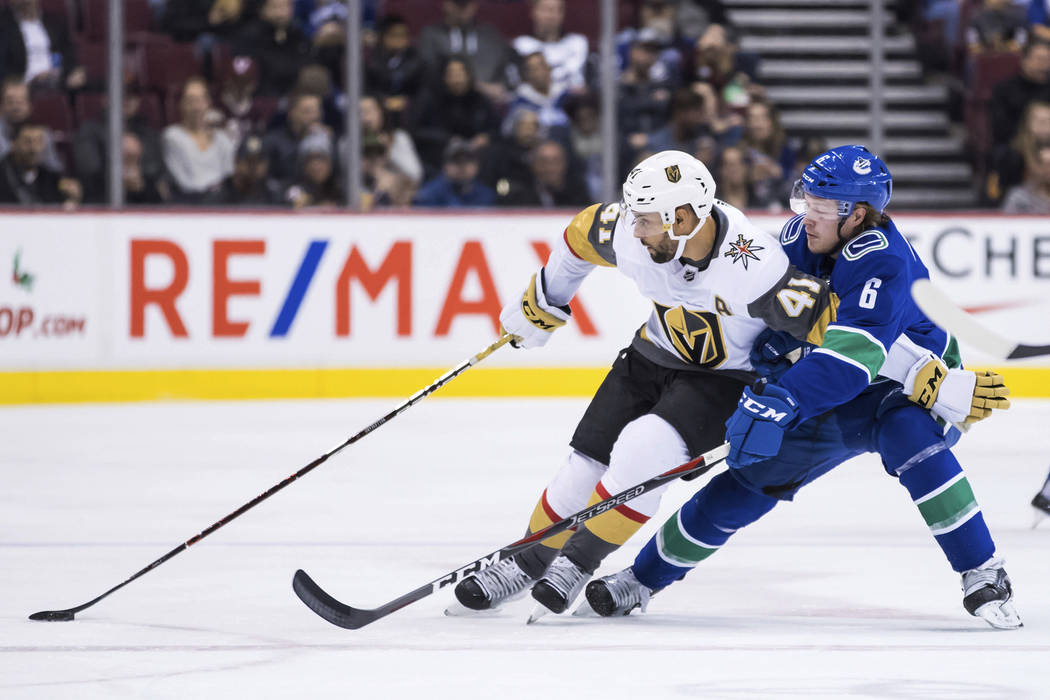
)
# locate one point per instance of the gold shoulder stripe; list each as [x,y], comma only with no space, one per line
[576,236]
[827,317]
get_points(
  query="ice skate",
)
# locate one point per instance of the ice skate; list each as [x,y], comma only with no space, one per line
[561,585]
[617,594]
[987,594]
[1041,504]
[491,587]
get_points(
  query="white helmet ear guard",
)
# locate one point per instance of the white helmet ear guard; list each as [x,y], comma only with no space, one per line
[667,180]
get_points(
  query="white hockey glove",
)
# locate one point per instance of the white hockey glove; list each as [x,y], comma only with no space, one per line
[531,319]
[956,395]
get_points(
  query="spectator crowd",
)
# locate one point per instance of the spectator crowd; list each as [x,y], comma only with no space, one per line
[999,52]
[466,102]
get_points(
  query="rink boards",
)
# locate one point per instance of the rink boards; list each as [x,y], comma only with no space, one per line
[125,306]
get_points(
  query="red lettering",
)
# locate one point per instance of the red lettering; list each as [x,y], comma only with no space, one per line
[163,297]
[583,320]
[223,287]
[25,319]
[397,265]
[471,258]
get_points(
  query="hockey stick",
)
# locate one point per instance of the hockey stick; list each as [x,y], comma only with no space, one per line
[69,613]
[351,618]
[945,313]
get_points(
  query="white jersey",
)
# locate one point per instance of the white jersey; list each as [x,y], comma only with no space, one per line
[706,314]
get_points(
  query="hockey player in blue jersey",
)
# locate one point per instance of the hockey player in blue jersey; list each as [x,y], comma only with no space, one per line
[833,405]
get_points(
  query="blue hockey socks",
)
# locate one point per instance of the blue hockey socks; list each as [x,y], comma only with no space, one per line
[698,529]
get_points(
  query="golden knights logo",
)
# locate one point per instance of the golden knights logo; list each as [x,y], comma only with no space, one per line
[696,335]
[742,250]
[673,173]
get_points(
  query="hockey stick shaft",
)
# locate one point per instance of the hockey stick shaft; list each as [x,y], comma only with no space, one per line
[67,614]
[349,617]
[945,313]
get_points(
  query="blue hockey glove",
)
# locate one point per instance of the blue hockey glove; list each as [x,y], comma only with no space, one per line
[774,352]
[756,428]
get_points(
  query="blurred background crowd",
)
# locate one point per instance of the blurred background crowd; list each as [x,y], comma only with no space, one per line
[467,103]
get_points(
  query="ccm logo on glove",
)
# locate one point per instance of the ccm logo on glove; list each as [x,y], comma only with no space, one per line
[763,411]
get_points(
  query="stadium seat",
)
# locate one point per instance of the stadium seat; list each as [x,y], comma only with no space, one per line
[52,110]
[417,13]
[96,18]
[986,70]
[94,57]
[62,10]
[88,105]
[152,110]
[166,66]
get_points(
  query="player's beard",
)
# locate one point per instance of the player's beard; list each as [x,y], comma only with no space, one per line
[664,251]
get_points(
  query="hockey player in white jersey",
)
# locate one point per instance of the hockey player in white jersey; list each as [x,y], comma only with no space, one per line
[716,281]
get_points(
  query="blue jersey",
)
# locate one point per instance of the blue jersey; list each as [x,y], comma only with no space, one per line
[871,276]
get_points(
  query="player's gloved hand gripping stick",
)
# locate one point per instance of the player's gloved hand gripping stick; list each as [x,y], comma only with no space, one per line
[756,429]
[532,319]
[67,614]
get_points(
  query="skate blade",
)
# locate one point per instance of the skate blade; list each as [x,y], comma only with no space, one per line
[538,611]
[457,609]
[584,609]
[1001,616]
[1040,516]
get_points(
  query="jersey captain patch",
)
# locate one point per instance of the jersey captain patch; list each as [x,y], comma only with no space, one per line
[696,335]
[743,249]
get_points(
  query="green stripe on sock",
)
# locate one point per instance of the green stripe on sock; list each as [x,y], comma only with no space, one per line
[679,550]
[857,347]
[949,506]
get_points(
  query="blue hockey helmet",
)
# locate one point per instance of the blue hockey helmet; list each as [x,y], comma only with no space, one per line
[847,174]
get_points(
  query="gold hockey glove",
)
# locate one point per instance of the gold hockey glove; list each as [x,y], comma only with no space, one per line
[532,319]
[956,395]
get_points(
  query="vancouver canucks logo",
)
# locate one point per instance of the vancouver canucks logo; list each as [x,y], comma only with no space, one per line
[20,278]
[862,166]
[673,173]
[743,250]
[696,335]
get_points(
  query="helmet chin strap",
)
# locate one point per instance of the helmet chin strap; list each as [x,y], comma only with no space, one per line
[685,239]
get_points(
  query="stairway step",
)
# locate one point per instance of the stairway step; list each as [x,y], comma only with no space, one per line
[932,172]
[924,146]
[785,20]
[900,147]
[839,120]
[837,45]
[846,94]
[932,198]
[793,4]
[770,70]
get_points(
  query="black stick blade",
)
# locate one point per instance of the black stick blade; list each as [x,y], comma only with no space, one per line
[329,608]
[52,616]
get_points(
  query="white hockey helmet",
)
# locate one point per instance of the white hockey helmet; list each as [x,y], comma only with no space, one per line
[667,180]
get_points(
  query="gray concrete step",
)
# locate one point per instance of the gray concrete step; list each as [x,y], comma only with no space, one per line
[839,121]
[772,69]
[787,20]
[838,45]
[900,147]
[916,197]
[796,4]
[834,95]
[932,172]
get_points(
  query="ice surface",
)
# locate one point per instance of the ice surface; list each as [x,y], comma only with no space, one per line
[842,594]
